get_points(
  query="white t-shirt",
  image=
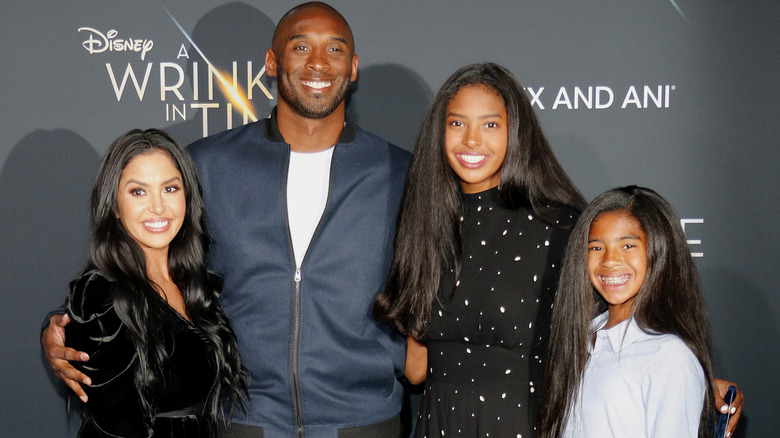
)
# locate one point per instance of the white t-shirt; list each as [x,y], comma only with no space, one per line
[308,178]
[637,385]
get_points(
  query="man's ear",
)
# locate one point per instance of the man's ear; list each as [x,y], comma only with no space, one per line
[353,76]
[270,63]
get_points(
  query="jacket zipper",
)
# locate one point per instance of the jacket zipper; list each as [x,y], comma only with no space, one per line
[294,378]
[297,277]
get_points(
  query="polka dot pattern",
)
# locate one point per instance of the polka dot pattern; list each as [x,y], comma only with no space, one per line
[484,324]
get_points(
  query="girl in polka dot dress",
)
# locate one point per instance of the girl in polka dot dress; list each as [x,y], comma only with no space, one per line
[485,218]
[641,367]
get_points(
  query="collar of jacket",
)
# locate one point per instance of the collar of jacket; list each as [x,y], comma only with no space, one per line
[271,130]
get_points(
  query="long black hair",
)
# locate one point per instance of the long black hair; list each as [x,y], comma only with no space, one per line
[669,300]
[427,238]
[117,255]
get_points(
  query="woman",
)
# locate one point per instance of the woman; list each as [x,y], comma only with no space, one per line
[482,228]
[162,355]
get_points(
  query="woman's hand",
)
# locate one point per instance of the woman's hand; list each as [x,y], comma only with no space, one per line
[721,387]
[416,361]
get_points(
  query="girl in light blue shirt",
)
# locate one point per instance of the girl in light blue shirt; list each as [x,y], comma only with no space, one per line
[630,345]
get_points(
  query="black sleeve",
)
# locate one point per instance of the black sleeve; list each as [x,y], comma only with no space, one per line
[114,406]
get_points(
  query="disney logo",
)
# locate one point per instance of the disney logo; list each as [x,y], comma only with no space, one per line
[99,42]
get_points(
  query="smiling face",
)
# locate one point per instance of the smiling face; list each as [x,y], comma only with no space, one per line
[617,261]
[151,201]
[314,61]
[476,137]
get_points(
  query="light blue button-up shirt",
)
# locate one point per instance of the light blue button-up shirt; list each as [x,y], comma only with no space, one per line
[637,385]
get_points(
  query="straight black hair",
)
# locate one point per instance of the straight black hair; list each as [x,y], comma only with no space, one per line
[669,301]
[427,238]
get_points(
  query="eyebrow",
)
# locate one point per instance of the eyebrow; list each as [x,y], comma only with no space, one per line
[486,116]
[303,36]
[629,237]
[141,183]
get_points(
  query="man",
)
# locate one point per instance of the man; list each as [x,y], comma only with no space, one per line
[302,210]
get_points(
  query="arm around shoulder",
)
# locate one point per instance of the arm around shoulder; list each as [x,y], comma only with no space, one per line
[90,308]
[54,339]
[95,328]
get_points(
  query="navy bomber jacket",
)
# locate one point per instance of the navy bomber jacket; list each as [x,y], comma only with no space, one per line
[318,360]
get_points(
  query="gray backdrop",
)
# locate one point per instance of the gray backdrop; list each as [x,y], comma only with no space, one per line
[677,95]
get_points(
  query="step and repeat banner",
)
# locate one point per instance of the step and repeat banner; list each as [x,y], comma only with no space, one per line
[675,95]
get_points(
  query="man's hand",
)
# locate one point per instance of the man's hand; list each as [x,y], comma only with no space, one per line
[721,387]
[59,356]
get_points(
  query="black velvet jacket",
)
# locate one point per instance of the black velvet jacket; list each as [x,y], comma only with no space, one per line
[114,407]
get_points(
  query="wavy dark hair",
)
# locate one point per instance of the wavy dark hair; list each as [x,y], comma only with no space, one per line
[669,300]
[428,238]
[117,255]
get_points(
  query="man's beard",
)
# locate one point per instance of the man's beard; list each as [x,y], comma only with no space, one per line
[316,107]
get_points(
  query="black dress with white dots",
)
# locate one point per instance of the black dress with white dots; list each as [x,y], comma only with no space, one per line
[488,331]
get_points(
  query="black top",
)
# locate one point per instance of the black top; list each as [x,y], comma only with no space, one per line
[114,406]
[488,330]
